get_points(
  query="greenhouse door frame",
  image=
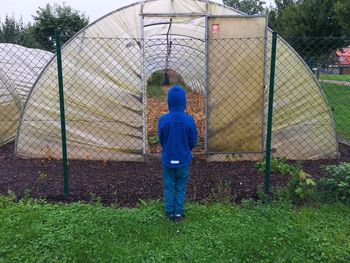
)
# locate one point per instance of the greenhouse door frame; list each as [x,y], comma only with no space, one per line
[264,91]
[143,70]
[206,17]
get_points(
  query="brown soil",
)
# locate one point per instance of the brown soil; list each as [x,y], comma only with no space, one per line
[125,183]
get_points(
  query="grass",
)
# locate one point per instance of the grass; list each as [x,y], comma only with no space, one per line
[34,232]
[339,99]
[154,91]
[335,77]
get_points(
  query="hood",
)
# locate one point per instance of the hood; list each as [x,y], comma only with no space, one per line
[176,99]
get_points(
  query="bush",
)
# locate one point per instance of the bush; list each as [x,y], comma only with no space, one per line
[153,139]
[335,187]
[302,189]
[156,79]
[222,193]
[154,91]
[280,165]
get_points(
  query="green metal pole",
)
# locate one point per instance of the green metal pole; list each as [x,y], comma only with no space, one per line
[62,114]
[270,111]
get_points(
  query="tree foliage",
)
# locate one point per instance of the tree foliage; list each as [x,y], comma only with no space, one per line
[12,31]
[250,7]
[309,18]
[342,11]
[312,27]
[70,21]
[42,33]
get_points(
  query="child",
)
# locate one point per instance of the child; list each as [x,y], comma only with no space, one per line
[177,133]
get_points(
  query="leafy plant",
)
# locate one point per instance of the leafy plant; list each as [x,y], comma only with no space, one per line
[260,193]
[233,156]
[221,194]
[156,79]
[280,165]
[154,91]
[42,175]
[302,188]
[335,187]
[153,139]
[95,199]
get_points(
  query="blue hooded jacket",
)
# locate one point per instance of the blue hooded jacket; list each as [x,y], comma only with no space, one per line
[177,131]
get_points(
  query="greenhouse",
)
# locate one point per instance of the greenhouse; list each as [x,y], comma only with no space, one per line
[220,53]
[19,69]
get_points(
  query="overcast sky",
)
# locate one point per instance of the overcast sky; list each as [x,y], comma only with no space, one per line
[94,9]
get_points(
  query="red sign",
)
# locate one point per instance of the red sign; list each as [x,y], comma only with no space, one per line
[215,28]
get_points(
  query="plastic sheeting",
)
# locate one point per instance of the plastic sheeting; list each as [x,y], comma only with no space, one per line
[19,68]
[117,88]
[303,127]
[236,68]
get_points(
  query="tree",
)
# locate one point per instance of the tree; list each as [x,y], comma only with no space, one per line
[250,7]
[70,21]
[276,13]
[312,28]
[310,18]
[12,31]
[281,4]
[342,10]
[273,16]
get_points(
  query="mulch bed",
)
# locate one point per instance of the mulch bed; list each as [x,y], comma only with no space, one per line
[125,183]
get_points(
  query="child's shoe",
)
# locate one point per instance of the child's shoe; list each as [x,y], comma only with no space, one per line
[170,217]
[178,217]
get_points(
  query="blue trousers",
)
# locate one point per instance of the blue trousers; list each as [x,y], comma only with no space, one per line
[175,181]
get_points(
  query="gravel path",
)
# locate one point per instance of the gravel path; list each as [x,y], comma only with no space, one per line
[338,82]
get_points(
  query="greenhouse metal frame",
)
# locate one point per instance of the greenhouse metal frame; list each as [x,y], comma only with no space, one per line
[128,23]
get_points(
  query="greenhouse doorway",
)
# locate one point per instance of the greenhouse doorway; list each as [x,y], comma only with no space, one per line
[223,67]
[157,87]
[171,57]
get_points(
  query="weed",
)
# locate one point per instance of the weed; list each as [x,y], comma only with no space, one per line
[154,91]
[144,203]
[156,79]
[26,195]
[248,203]
[280,165]
[153,139]
[42,175]
[281,194]
[302,188]
[194,193]
[95,199]
[221,194]
[260,193]
[233,156]
[335,187]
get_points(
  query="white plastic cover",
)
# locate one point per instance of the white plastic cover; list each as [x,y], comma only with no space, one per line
[19,68]
[89,75]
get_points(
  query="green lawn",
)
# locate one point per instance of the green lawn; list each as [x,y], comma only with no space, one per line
[335,77]
[34,232]
[339,99]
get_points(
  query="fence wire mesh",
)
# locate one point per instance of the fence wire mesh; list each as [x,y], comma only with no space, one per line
[109,118]
[309,114]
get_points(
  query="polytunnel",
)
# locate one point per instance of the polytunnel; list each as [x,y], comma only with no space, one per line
[19,68]
[219,52]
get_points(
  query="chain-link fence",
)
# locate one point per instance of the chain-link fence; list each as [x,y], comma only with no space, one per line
[115,91]
[19,69]
[329,60]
